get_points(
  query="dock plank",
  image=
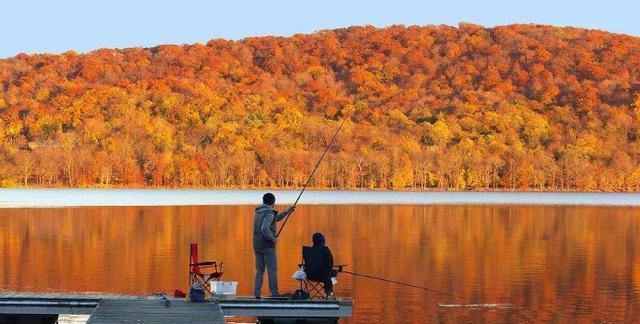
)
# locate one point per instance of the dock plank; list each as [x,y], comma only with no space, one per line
[274,308]
[154,311]
[127,309]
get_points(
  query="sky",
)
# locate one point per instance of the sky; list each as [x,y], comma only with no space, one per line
[45,26]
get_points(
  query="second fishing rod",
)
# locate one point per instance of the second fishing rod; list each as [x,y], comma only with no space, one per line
[326,149]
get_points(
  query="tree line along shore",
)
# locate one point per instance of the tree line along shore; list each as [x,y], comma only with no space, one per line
[519,107]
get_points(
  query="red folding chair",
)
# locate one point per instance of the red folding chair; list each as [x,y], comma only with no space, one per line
[203,272]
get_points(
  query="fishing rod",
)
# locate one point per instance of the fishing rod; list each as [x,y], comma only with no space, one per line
[311,175]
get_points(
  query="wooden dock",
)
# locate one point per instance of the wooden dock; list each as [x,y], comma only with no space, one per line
[274,309]
[155,309]
[111,311]
[110,308]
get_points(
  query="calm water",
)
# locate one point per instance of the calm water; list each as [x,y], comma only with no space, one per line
[558,264]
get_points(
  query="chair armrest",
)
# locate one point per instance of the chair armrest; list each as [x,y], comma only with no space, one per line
[209,263]
[338,267]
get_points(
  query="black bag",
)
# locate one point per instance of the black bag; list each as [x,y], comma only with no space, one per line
[300,295]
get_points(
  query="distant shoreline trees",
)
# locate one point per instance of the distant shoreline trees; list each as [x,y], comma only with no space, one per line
[520,107]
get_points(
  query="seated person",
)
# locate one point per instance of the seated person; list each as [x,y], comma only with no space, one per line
[318,262]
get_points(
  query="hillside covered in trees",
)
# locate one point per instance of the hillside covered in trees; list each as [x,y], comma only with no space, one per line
[512,107]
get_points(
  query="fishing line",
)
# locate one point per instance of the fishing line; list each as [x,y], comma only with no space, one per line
[311,175]
[401,283]
[418,287]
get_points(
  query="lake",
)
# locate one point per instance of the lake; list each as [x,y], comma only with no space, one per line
[551,263]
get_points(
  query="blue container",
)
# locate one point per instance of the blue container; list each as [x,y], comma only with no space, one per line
[196,295]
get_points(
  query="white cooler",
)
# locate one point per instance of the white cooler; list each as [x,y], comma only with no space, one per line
[224,289]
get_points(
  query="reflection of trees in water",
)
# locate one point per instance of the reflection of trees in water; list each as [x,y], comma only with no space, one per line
[557,263]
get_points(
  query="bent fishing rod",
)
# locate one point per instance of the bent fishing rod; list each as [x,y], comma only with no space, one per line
[311,175]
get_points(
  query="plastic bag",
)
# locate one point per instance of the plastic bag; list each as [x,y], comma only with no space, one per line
[300,275]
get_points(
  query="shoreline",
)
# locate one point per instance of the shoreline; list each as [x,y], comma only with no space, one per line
[240,188]
[65,197]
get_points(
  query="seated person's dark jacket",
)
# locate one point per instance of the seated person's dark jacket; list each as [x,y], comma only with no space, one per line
[318,262]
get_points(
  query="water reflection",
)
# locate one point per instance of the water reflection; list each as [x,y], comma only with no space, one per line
[554,263]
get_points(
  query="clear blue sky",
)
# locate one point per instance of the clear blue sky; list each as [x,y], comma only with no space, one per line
[50,26]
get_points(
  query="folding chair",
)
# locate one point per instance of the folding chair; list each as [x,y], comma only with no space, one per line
[316,288]
[203,272]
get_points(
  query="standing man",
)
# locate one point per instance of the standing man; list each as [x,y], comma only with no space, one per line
[264,243]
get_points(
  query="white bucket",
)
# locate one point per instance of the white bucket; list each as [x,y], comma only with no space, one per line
[224,289]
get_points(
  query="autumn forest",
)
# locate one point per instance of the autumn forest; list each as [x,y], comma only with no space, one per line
[519,107]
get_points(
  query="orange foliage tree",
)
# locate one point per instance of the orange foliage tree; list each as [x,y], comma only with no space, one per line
[513,107]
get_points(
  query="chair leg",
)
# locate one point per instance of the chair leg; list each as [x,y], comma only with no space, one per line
[206,285]
[315,290]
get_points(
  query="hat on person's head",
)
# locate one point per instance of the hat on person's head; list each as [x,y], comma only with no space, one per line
[268,199]
[318,239]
